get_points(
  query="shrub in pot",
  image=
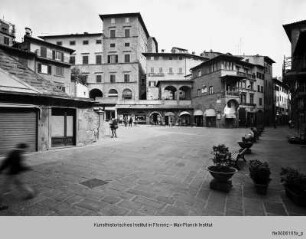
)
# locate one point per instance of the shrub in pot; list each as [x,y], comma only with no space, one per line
[260,174]
[295,185]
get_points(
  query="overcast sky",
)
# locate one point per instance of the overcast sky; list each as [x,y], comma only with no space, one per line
[235,26]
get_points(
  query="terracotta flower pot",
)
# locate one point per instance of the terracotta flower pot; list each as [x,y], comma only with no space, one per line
[221,176]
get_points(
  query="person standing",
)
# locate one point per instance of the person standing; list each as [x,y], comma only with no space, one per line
[114,126]
[131,121]
[14,167]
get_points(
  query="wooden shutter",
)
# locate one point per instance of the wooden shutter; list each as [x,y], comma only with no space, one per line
[49,70]
[62,56]
[116,59]
[43,52]
[38,67]
[53,55]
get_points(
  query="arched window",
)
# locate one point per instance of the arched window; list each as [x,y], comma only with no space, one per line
[127,94]
[113,93]
[211,90]
[95,93]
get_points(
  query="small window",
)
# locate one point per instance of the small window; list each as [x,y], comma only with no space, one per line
[261,89]
[127,58]
[98,78]
[112,78]
[112,59]
[112,45]
[204,89]
[127,32]
[112,33]
[99,41]
[252,98]
[59,43]
[152,83]
[152,69]
[85,42]
[170,70]
[6,41]
[44,69]
[85,60]
[113,20]
[258,88]
[180,70]
[127,44]
[72,43]
[98,59]
[127,20]
[160,70]
[180,58]
[126,78]
[72,60]
[59,71]
[211,90]
[199,92]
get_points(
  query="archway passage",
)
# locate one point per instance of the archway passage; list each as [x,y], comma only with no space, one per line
[113,93]
[155,118]
[185,93]
[95,93]
[127,94]
[169,93]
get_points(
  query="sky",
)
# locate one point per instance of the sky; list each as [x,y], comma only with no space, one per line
[235,26]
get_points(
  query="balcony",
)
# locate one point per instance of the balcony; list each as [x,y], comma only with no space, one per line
[238,74]
[156,74]
[248,104]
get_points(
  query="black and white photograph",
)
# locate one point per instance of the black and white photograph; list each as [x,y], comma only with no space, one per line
[153,115]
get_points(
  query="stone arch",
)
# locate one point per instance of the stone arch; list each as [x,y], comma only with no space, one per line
[169,93]
[185,93]
[155,118]
[113,93]
[127,94]
[95,93]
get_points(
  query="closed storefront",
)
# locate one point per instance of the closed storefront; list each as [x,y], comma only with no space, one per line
[63,127]
[17,125]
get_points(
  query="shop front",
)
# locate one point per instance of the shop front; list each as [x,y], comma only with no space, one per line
[198,118]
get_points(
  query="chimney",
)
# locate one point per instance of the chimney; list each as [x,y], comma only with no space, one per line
[163,50]
[193,53]
[28,32]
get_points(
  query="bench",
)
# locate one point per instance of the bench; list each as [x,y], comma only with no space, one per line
[236,155]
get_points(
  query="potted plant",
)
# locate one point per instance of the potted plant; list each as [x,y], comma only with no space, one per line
[295,185]
[222,169]
[260,174]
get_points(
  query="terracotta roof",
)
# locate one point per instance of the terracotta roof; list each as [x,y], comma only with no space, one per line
[85,34]
[25,74]
[290,26]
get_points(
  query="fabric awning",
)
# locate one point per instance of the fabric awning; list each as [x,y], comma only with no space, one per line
[198,113]
[184,113]
[230,116]
[169,114]
[210,113]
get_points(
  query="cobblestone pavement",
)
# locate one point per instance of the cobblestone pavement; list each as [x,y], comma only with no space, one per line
[160,171]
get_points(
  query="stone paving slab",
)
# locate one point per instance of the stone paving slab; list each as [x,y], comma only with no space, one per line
[156,171]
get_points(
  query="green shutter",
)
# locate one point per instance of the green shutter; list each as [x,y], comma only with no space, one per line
[49,70]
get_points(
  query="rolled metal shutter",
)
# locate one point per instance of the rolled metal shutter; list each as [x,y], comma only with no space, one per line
[17,126]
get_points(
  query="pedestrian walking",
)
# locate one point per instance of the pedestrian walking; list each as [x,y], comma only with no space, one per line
[125,121]
[131,121]
[14,166]
[113,126]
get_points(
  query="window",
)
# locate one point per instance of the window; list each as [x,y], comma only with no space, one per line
[43,51]
[170,58]
[113,20]
[160,70]
[127,58]
[44,69]
[152,69]
[170,70]
[98,78]
[199,92]
[258,88]
[127,44]
[204,89]
[126,78]
[152,83]
[98,59]
[59,43]
[72,60]
[251,86]
[72,43]
[112,33]
[85,60]
[112,45]
[85,42]
[127,20]
[112,59]
[180,58]
[127,32]
[112,78]
[98,41]
[251,98]
[59,56]
[59,71]
[261,89]
[211,90]
[243,98]
[199,73]
[180,70]
[156,58]
[6,41]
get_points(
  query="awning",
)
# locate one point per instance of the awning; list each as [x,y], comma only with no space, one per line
[184,113]
[230,116]
[198,113]
[210,113]
[169,114]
